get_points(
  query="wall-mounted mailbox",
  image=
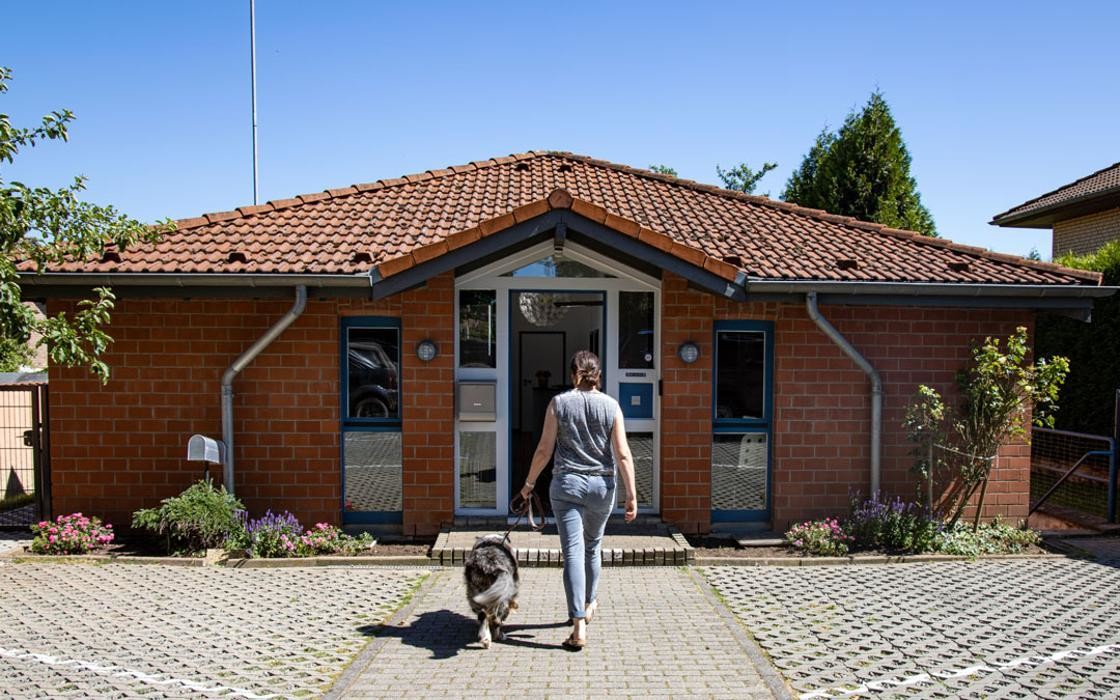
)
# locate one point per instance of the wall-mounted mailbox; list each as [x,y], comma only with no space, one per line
[203,449]
[477,401]
[636,399]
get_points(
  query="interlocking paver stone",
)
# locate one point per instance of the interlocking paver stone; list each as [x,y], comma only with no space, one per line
[657,634]
[77,630]
[1011,629]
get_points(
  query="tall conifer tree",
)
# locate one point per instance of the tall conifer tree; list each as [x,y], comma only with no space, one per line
[863,171]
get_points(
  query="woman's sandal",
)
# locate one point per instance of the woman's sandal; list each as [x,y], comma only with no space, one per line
[573,644]
[589,611]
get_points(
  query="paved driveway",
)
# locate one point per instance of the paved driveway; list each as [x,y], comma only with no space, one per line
[73,630]
[1026,628]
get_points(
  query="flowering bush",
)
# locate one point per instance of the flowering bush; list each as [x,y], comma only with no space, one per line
[891,526]
[70,534]
[273,536]
[821,537]
[328,539]
[281,536]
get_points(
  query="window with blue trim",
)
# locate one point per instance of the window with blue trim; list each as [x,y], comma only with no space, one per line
[371,419]
[742,405]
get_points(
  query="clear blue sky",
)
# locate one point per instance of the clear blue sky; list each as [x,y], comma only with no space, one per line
[998,102]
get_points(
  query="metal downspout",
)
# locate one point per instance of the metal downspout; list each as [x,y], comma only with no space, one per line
[876,383]
[239,364]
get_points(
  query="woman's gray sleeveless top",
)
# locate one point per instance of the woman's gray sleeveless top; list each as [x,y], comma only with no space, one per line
[584,421]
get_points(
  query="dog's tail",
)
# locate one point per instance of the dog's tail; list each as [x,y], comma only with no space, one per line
[504,588]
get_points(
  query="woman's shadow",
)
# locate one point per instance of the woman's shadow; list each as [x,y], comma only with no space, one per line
[445,633]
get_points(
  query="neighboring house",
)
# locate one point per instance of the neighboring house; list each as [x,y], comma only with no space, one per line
[441,309]
[1085,214]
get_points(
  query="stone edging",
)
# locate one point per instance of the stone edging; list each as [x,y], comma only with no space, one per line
[858,561]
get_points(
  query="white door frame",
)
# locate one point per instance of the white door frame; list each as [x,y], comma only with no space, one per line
[625,279]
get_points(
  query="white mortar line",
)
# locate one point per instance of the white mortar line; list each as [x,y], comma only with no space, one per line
[961,673]
[120,672]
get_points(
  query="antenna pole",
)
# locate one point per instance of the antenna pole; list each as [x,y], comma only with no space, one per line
[253,80]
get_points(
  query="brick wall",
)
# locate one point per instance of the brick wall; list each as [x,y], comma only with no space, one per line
[822,404]
[1085,234]
[122,446]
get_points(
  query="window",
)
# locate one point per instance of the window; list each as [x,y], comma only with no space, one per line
[372,373]
[478,318]
[741,422]
[556,266]
[635,330]
[740,375]
[371,420]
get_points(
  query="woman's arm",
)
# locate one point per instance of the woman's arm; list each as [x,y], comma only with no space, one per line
[544,451]
[625,465]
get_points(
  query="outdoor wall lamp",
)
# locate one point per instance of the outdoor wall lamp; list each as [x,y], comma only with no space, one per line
[688,352]
[426,350]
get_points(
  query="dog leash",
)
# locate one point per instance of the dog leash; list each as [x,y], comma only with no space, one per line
[523,508]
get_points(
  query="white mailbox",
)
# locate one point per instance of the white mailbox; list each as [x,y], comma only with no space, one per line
[203,449]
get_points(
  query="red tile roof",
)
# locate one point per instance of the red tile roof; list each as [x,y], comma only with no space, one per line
[397,223]
[1105,181]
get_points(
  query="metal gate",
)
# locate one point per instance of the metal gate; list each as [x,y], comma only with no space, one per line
[24,450]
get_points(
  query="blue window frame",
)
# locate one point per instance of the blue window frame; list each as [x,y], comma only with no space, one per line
[742,410]
[370,424]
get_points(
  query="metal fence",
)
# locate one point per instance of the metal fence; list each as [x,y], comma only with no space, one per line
[1075,471]
[25,481]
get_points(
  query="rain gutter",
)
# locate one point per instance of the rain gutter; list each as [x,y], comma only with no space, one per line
[239,364]
[160,279]
[872,374]
[919,289]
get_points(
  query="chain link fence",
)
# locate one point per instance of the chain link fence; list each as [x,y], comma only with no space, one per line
[1054,453]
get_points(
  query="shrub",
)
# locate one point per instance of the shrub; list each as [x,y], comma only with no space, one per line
[199,518]
[328,539]
[988,538]
[820,537]
[274,536]
[70,534]
[280,536]
[893,526]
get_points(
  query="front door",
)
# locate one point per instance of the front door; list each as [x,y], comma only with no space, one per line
[519,322]
[546,329]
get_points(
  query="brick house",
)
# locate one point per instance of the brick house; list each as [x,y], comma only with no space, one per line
[1084,215]
[411,332]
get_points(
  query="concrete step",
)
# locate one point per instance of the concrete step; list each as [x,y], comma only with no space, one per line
[638,544]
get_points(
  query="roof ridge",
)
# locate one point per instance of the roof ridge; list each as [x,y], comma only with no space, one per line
[1053,191]
[359,188]
[822,215]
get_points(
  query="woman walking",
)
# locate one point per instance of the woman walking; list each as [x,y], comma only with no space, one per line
[584,435]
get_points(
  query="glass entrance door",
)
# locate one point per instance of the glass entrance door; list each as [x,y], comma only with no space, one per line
[519,321]
[546,329]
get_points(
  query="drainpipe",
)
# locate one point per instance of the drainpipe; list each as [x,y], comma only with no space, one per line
[241,363]
[876,382]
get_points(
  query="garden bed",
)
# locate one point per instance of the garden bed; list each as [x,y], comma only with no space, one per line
[131,546]
[707,547]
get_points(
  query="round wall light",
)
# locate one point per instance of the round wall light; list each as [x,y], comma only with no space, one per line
[688,352]
[426,350]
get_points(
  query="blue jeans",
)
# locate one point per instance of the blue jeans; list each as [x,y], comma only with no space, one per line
[581,505]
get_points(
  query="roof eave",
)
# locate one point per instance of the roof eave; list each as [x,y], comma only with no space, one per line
[1045,217]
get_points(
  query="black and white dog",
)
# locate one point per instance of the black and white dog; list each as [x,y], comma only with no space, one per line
[490,571]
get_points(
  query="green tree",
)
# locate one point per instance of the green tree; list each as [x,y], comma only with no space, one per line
[862,171]
[664,170]
[1001,396]
[1089,394]
[743,178]
[40,227]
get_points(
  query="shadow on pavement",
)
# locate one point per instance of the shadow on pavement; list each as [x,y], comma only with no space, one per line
[445,633]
